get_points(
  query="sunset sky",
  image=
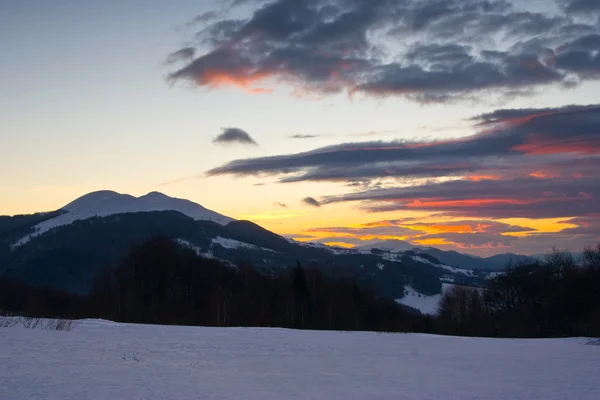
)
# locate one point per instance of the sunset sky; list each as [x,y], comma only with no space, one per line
[471,125]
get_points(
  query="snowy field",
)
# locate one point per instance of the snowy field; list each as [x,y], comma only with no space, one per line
[105,360]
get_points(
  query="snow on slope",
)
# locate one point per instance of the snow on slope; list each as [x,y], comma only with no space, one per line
[107,202]
[454,270]
[196,249]
[106,360]
[423,303]
[235,244]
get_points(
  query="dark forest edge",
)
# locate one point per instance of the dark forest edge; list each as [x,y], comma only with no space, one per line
[161,282]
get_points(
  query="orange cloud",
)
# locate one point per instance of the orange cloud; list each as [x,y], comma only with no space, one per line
[544,175]
[441,228]
[501,124]
[538,146]
[466,202]
[433,242]
[242,80]
[478,178]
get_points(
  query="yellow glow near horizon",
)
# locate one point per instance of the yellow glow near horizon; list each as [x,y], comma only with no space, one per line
[298,219]
[547,225]
[433,242]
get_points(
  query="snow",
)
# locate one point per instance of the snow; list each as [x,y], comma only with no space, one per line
[236,244]
[104,203]
[333,249]
[341,250]
[423,303]
[196,249]
[423,260]
[389,256]
[106,360]
[455,270]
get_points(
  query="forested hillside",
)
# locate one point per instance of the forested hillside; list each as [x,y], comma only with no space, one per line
[163,282]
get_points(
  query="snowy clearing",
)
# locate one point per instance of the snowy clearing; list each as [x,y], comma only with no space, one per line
[102,360]
[423,303]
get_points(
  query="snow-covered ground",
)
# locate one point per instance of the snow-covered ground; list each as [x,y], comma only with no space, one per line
[105,360]
[423,303]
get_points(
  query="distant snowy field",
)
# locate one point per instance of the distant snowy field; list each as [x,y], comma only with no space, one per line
[423,303]
[106,360]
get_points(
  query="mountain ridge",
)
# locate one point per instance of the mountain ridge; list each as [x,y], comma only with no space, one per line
[107,202]
[69,248]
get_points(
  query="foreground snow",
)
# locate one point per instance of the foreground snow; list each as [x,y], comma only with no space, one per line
[105,360]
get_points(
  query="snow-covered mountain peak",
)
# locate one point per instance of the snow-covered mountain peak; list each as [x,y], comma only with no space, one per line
[156,195]
[106,202]
[94,198]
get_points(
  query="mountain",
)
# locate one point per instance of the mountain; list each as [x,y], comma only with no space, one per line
[498,262]
[104,203]
[67,249]
[390,245]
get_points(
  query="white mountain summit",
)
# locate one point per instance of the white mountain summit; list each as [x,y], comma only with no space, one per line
[106,202]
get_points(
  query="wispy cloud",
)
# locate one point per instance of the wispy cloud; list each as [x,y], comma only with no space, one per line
[299,136]
[181,55]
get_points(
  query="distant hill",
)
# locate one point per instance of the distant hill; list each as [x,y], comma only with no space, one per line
[498,262]
[391,245]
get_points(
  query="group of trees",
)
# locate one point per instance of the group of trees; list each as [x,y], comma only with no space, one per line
[162,282]
[559,296]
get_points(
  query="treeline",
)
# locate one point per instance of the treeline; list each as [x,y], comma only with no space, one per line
[162,282]
[554,298]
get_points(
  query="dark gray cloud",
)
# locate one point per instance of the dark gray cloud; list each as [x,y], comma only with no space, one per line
[521,163]
[280,204]
[515,198]
[580,56]
[509,142]
[310,201]
[586,7]
[235,135]
[508,114]
[380,231]
[427,50]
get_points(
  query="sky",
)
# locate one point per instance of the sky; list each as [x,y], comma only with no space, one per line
[471,125]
